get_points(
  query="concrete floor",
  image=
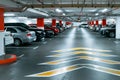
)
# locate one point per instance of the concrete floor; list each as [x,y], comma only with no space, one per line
[76,54]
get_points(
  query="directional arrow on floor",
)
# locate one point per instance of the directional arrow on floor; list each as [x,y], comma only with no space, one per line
[66,69]
[76,51]
[65,54]
[56,62]
[80,48]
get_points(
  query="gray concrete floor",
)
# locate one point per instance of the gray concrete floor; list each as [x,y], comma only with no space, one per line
[76,54]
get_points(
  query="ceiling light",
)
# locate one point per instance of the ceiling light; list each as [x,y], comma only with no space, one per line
[97,14]
[104,10]
[9,14]
[64,14]
[22,18]
[58,10]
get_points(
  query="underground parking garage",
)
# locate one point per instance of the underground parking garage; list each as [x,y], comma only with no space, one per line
[59,39]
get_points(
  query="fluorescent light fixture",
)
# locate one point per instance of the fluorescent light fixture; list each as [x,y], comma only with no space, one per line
[22,18]
[104,10]
[64,14]
[58,10]
[9,14]
[37,12]
[97,14]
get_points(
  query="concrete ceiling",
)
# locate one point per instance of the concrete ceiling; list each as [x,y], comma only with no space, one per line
[63,9]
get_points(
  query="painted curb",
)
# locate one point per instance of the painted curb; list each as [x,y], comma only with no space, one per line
[12,59]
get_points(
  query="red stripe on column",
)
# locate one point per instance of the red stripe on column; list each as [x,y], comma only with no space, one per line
[53,22]
[60,22]
[1,19]
[40,23]
[104,22]
[97,23]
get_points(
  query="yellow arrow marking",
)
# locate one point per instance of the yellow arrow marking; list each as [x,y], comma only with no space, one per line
[73,49]
[99,60]
[104,69]
[66,69]
[55,62]
[80,52]
[56,71]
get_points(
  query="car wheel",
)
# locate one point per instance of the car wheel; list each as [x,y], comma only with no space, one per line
[17,42]
[112,34]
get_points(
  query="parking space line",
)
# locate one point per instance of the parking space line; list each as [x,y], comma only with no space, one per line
[20,56]
[36,47]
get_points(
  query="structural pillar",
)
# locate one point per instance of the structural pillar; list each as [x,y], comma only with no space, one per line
[117,27]
[2,52]
[103,22]
[40,23]
[53,22]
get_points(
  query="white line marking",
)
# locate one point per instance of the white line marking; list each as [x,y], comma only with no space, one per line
[20,47]
[36,47]
[21,56]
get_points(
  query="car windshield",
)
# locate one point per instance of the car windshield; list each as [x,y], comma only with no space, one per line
[22,29]
[25,26]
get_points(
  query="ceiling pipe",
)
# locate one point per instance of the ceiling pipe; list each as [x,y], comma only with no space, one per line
[75,5]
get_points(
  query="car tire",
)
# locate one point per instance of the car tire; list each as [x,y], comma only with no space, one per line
[17,42]
[112,34]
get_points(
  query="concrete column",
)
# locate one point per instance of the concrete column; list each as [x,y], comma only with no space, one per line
[53,22]
[40,23]
[2,52]
[103,22]
[118,28]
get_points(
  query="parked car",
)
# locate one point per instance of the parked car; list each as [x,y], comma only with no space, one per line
[109,31]
[48,32]
[21,35]
[54,29]
[61,29]
[8,38]
[39,32]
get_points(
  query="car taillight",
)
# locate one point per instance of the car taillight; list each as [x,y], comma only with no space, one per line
[28,34]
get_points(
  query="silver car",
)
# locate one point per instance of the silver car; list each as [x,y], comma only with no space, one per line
[21,35]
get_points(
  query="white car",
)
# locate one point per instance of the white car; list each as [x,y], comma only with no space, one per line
[8,38]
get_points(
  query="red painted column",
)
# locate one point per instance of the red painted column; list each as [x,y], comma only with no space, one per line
[40,23]
[103,22]
[92,23]
[97,23]
[2,52]
[60,22]
[1,19]
[53,22]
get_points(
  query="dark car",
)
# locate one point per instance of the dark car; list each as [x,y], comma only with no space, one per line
[39,32]
[61,29]
[48,32]
[109,31]
[54,29]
